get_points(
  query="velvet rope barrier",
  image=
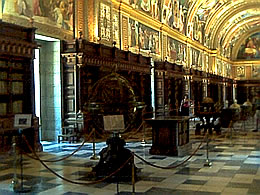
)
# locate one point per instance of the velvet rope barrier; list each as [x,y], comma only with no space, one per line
[171,167]
[68,156]
[71,181]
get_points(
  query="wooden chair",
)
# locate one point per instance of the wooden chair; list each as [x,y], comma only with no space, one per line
[69,133]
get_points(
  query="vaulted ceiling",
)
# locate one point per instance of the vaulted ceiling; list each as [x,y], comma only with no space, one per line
[228,23]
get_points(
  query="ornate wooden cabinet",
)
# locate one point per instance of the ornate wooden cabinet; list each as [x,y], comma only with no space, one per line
[99,80]
[16,79]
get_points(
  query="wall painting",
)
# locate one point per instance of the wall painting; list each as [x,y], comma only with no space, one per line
[143,38]
[241,71]
[53,12]
[151,7]
[176,51]
[250,49]
[206,65]
[105,22]
[219,67]
[173,14]
[228,72]
[256,71]
[170,12]
[115,29]
[196,59]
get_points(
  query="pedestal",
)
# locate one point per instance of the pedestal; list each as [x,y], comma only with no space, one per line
[170,135]
[112,158]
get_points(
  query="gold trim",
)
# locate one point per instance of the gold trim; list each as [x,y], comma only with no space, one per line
[80,18]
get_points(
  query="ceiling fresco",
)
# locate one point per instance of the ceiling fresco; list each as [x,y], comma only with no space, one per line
[217,24]
[224,23]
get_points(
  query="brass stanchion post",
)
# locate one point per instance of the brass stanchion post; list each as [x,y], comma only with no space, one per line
[20,188]
[143,140]
[15,182]
[94,157]
[133,175]
[207,163]
[231,131]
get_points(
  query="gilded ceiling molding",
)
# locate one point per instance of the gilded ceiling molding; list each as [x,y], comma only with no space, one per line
[245,63]
[224,59]
[116,3]
[235,29]
[221,19]
[227,8]
[190,16]
[211,20]
[193,10]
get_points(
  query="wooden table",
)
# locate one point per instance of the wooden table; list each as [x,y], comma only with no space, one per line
[170,135]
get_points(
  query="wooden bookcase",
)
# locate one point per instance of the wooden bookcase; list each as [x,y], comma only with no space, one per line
[11,87]
[16,81]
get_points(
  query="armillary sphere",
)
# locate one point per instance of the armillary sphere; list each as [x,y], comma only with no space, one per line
[113,95]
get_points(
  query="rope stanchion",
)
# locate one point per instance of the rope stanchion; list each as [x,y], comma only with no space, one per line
[74,182]
[137,130]
[94,157]
[66,157]
[15,182]
[231,128]
[207,163]
[19,187]
[133,175]
[143,140]
[170,167]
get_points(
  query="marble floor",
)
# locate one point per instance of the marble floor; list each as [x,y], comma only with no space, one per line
[235,168]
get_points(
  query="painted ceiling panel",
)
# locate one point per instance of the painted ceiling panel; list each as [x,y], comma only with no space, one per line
[225,21]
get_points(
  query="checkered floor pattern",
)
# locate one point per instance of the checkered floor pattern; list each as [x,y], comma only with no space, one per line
[235,168]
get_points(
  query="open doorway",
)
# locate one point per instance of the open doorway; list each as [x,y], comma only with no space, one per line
[47,78]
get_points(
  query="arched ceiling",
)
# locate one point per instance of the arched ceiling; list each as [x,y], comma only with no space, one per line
[227,22]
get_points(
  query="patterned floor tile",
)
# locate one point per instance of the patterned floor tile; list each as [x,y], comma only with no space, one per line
[235,169]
